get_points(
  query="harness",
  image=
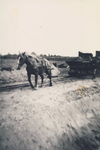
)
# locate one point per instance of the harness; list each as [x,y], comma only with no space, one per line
[35,61]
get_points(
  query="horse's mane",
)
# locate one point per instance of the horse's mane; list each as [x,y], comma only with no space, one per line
[33,56]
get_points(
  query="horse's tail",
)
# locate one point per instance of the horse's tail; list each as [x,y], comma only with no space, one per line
[46,63]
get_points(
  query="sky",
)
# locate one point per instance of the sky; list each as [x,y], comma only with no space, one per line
[55,27]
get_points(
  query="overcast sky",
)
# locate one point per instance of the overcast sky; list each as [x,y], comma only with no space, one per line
[61,27]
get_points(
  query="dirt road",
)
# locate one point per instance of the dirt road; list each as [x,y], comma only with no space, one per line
[65,116]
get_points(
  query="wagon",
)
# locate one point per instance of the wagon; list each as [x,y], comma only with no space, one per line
[79,66]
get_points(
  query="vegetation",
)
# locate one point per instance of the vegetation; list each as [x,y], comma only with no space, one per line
[49,57]
[9,56]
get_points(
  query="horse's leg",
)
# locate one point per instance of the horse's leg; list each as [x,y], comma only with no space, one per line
[36,80]
[41,72]
[29,79]
[48,72]
[42,77]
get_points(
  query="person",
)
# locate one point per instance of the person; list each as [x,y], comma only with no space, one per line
[93,67]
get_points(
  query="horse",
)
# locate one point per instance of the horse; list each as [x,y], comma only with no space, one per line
[35,65]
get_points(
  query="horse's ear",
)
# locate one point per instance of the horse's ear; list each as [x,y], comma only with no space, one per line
[19,53]
[25,54]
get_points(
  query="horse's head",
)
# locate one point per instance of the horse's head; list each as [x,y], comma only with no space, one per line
[21,60]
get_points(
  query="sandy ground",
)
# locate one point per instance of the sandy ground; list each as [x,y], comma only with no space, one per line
[65,116]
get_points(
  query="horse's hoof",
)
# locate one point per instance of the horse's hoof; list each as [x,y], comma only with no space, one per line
[32,87]
[35,88]
[51,84]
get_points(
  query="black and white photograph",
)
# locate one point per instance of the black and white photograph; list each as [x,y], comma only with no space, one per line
[49,74]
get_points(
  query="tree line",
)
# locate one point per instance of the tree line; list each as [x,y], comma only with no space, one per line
[49,57]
